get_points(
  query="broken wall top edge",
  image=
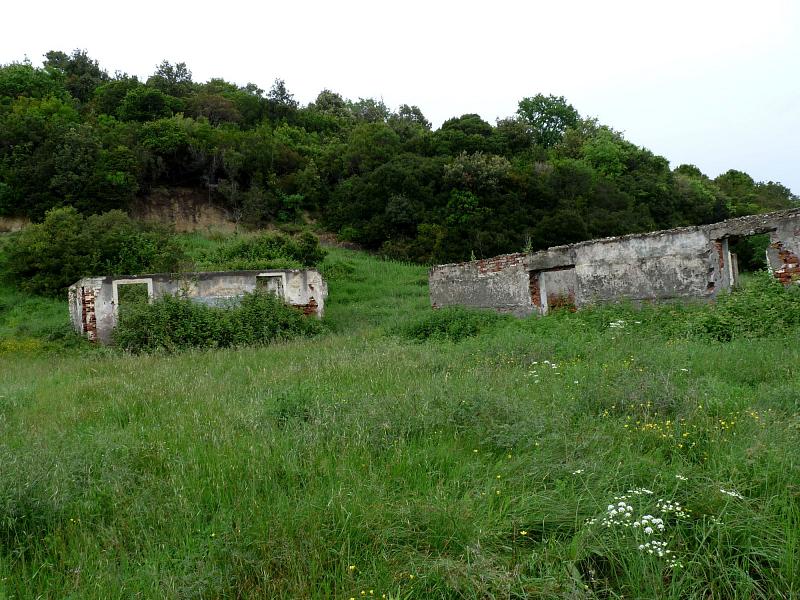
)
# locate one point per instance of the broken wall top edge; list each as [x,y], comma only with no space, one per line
[201,275]
[746,225]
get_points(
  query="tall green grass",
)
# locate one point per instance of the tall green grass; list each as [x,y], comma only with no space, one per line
[361,461]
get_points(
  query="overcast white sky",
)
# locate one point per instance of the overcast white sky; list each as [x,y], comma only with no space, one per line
[710,82]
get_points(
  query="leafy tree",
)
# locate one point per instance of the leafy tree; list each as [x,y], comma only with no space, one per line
[370,110]
[214,107]
[689,171]
[607,152]
[409,123]
[279,95]
[330,103]
[109,96]
[23,79]
[49,256]
[464,209]
[402,213]
[31,133]
[514,136]
[467,133]
[564,226]
[90,177]
[699,201]
[478,172]
[143,103]
[412,115]
[747,197]
[775,196]
[548,117]
[281,104]
[176,150]
[173,80]
[370,145]
[82,74]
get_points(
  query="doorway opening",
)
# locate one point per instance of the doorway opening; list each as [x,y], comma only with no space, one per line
[553,289]
[750,252]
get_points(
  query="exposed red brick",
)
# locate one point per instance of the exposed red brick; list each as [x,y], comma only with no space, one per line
[535,290]
[88,315]
[718,244]
[310,308]
[790,267]
[498,263]
[561,301]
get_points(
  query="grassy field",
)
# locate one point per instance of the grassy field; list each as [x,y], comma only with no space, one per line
[520,462]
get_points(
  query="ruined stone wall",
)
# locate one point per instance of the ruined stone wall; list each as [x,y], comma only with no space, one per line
[94,302]
[690,262]
[500,283]
[679,264]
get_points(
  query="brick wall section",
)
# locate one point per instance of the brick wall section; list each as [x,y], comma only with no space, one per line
[533,286]
[790,271]
[88,315]
[310,308]
[498,263]
[718,245]
[555,301]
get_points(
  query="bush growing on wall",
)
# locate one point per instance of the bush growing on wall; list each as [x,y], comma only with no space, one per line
[174,323]
[47,257]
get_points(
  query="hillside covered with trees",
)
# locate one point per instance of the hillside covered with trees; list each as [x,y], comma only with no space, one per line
[73,135]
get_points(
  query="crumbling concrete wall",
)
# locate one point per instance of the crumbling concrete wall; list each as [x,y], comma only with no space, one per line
[500,283]
[690,262]
[94,301]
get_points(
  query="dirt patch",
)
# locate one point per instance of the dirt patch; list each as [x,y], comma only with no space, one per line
[10,224]
[330,240]
[186,209]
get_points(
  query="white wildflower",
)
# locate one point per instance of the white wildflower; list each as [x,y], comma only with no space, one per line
[732,494]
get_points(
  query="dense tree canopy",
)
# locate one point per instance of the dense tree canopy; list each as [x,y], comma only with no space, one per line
[71,135]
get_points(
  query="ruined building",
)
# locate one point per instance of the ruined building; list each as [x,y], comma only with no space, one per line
[94,301]
[689,262]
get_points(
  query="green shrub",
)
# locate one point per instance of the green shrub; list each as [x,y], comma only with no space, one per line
[174,323]
[264,251]
[47,257]
[453,323]
[762,306]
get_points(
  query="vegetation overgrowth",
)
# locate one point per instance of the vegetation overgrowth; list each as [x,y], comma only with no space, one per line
[72,135]
[174,323]
[47,257]
[614,452]
[452,323]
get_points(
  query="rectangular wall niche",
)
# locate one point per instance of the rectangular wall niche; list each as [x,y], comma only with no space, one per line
[273,283]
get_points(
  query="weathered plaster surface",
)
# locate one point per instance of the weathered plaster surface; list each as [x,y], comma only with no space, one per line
[94,301]
[690,262]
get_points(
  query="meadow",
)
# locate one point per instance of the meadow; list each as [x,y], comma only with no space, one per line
[618,452]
